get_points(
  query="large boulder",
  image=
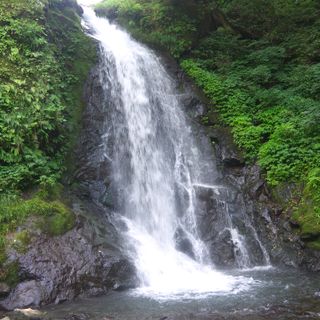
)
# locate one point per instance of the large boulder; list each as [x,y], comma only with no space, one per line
[86,261]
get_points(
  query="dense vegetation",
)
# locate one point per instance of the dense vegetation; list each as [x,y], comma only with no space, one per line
[44,56]
[258,61]
[44,61]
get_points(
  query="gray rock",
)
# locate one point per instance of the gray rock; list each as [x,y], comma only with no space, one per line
[4,290]
[80,316]
[183,244]
[25,294]
[27,314]
[84,262]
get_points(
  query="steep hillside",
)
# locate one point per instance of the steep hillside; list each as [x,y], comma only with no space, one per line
[45,58]
[258,63]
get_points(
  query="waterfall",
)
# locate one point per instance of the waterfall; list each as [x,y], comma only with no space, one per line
[157,171]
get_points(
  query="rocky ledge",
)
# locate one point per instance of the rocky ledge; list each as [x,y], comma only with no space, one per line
[83,262]
[252,195]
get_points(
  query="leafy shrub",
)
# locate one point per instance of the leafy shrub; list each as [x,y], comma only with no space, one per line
[54,218]
[154,22]
[284,149]
[40,88]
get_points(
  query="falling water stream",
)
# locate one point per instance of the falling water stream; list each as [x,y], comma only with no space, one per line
[156,166]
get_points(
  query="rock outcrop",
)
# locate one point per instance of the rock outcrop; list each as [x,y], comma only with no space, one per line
[86,261]
[248,192]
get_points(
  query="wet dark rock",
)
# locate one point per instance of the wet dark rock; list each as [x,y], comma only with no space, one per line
[4,290]
[193,105]
[227,152]
[81,316]
[231,157]
[221,250]
[311,260]
[83,262]
[183,244]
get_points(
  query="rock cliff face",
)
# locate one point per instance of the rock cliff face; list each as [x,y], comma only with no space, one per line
[83,262]
[249,192]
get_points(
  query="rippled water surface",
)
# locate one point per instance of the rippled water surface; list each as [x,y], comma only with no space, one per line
[274,294]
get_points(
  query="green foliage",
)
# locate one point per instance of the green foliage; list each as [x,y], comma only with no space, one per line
[270,18]
[53,218]
[10,274]
[43,62]
[155,22]
[30,111]
[130,7]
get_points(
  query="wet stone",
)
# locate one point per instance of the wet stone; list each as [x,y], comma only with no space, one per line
[4,290]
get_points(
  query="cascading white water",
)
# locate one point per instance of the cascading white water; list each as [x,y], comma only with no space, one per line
[156,167]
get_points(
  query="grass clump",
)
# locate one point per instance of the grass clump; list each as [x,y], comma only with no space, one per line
[10,274]
[51,217]
[21,241]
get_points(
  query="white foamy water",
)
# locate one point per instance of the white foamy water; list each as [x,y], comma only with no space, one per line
[156,167]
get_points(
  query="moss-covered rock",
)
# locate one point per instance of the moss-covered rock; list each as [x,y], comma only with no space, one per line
[9,274]
[306,214]
[21,241]
[85,260]
[58,221]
